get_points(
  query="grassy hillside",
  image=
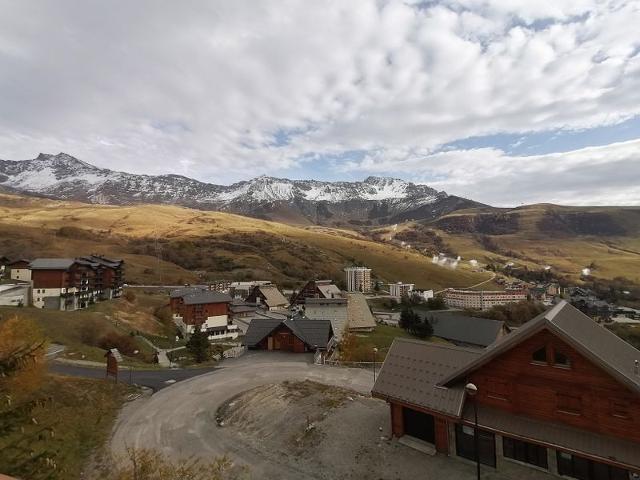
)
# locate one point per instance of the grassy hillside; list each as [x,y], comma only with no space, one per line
[206,245]
[567,238]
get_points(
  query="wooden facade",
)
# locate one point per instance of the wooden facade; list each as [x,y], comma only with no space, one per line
[282,339]
[578,394]
[196,314]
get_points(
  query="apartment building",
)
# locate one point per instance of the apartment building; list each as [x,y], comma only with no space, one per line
[358,279]
[399,290]
[481,299]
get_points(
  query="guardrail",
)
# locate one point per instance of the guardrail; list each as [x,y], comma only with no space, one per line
[234,352]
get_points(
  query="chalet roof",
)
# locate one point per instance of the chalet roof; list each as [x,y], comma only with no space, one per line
[412,370]
[329,291]
[595,342]
[311,332]
[557,434]
[272,296]
[107,262]
[333,309]
[460,328]
[51,263]
[20,260]
[181,292]
[360,316]
[206,296]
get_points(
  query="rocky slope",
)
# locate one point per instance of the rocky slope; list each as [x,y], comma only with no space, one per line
[375,200]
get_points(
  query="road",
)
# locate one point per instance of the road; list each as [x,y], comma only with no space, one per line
[154,379]
[180,420]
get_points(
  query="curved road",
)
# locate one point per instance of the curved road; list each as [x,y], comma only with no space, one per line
[181,420]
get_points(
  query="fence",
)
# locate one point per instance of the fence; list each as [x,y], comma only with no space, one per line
[343,363]
[234,352]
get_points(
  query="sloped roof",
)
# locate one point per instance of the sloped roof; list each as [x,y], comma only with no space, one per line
[51,263]
[332,309]
[329,291]
[260,328]
[206,296]
[360,315]
[181,292]
[273,297]
[311,332]
[595,342]
[464,329]
[412,370]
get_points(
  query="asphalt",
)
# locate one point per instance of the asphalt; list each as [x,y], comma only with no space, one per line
[154,379]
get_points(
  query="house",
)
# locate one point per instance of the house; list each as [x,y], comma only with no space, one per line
[62,284]
[268,296]
[241,290]
[194,307]
[360,316]
[333,309]
[561,393]
[243,322]
[19,270]
[399,290]
[297,335]
[14,295]
[464,330]
[317,289]
[109,275]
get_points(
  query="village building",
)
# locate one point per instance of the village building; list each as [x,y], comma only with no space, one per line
[14,294]
[268,297]
[333,309]
[204,309]
[561,394]
[241,290]
[358,279]
[297,335]
[399,290]
[360,318]
[19,270]
[317,289]
[108,282]
[481,299]
[62,284]
[466,331]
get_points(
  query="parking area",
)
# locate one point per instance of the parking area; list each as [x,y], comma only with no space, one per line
[285,418]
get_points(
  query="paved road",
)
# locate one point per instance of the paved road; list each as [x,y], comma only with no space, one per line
[180,420]
[155,379]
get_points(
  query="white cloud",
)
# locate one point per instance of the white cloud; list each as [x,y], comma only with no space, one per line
[200,88]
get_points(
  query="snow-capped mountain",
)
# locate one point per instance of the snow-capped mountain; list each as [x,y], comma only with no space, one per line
[374,200]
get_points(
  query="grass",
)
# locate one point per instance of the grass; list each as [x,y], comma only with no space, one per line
[82,412]
[381,338]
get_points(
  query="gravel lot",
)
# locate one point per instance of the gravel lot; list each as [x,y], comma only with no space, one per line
[298,429]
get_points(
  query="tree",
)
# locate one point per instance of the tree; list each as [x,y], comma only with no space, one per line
[422,329]
[198,345]
[436,303]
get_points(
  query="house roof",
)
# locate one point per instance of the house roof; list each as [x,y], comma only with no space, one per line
[557,434]
[206,296]
[360,316]
[272,296]
[332,309]
[311,332]
[107,262]
[51,263]
[412,370]
[329,291]
[464,329]
[595,342]
[20,260]
[181,292]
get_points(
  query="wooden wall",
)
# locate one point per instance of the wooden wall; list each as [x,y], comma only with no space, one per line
[532,389]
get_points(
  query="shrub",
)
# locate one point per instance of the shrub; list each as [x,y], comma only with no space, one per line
[129,296]
[124,343]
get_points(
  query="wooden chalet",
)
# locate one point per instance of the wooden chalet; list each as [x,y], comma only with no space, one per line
[324,289]
[291,335]
[196,307]
[268,296]
[561,394]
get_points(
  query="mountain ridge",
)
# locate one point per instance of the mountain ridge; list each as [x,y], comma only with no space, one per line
[375,200]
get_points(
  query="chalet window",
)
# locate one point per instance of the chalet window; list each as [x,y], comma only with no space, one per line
[540,355]
[525,452]
[466,447]
[619,409]
[569,403]
[497,389]
[583,469]
[561,360]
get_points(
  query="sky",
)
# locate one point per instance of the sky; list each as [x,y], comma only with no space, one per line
[505,102]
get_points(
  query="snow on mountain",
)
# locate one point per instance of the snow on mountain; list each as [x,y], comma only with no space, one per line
[65,177]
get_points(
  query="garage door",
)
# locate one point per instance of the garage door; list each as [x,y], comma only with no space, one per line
[419,425]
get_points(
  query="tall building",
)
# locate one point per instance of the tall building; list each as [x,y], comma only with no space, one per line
[399,290]
[358,279]
[481,299]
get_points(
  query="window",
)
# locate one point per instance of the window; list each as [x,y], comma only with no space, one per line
[569,403]
[583,469]
[466,447]
[497,389]
[619,408]
[540,355]
[525,452]
[561,360]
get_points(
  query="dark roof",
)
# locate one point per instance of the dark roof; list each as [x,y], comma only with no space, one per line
[595,342]
[181,292]
[463,329]
[51,263]
[556,434]
[206,296]
[107,262]
[413,368]
[311,332]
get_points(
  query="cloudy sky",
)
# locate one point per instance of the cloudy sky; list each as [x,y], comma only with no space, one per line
[505,101]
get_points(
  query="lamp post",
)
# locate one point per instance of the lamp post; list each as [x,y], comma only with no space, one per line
[472,391]
[375,351]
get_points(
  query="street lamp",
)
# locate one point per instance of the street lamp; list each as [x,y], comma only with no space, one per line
[375,351]
[472,391]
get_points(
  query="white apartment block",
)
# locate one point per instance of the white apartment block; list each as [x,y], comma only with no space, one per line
[358,279]
[399,290]
[481,299]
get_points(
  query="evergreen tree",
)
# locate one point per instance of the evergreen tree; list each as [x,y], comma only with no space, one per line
[198,345]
